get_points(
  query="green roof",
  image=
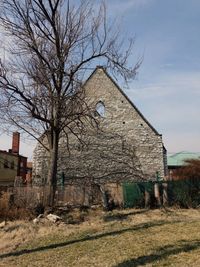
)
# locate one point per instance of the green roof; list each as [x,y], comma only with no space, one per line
[178,159]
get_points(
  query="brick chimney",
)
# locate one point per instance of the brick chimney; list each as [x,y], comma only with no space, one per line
[15,143]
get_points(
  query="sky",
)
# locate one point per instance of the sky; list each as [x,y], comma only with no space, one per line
[167,87]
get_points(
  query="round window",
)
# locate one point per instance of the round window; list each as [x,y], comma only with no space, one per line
[100,109]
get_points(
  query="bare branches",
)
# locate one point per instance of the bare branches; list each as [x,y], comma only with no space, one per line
[53,43]
[102,157]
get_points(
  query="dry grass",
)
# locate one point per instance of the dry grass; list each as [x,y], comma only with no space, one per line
[120,238]
[8,211]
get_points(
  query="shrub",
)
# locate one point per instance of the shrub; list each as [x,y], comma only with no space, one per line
[9,211]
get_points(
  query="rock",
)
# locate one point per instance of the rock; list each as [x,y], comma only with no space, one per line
[53,218]
[40,216]
[47,211]
[95,207]
[3,224]
[36,220]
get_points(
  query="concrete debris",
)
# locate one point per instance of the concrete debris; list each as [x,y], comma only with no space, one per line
[53,218]
[40,216]
[50,217]
[3,224]
[36,220]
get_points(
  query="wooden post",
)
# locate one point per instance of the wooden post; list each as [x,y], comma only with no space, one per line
[165,194]
[157,194]
[147,198]
[104,197]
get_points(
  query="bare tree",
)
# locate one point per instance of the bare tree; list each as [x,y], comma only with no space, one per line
[52,45]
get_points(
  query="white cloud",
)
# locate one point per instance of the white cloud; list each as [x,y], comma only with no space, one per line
[176,142]
[171,103]
[4,43]
[169,84]
[121,7]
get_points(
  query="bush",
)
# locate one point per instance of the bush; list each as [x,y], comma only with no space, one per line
[184,193]
[39,209]
[8,211]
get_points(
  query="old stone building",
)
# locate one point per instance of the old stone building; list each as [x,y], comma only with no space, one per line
[124,146]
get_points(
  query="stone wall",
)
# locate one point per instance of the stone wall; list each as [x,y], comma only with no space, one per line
[125,147]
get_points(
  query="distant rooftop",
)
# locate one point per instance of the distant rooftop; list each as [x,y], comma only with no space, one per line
[179,158]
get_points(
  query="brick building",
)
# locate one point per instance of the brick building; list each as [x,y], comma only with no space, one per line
[12,164]
[126,147]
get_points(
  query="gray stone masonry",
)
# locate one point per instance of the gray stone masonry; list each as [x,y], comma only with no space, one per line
[126,148]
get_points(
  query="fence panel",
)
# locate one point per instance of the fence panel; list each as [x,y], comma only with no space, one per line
[133,195]
[181,193]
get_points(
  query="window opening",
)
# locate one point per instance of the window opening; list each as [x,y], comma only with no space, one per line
[100,109]
[6,164]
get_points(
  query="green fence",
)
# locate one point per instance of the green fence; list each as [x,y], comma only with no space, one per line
[182,193]
[134,193]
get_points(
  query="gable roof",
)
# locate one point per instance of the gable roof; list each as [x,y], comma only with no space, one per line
[123,93]
[178,159]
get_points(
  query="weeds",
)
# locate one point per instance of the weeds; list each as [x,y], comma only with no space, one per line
[9,211]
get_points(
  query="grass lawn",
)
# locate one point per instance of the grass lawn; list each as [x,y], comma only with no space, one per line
[120,238]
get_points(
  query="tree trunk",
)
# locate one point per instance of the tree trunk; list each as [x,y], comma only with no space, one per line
[52,172]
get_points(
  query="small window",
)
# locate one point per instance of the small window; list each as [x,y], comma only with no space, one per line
[100,109]
[6,164]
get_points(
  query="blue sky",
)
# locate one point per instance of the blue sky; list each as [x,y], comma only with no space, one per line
[167,88]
